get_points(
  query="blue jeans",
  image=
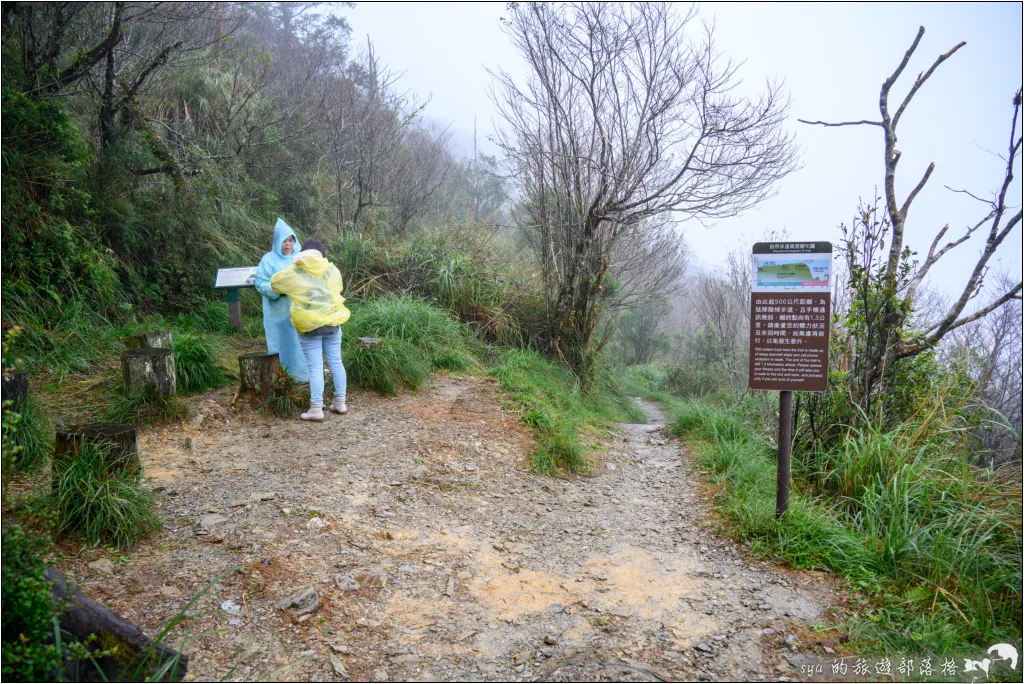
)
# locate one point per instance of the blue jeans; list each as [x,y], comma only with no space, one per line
[316,347]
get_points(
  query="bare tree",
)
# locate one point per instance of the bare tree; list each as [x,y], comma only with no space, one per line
[624,119]
[367,122]
[898,281]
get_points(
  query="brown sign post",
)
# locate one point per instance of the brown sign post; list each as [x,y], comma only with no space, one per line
[790,306]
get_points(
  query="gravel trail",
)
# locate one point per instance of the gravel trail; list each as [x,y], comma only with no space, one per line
[435,554]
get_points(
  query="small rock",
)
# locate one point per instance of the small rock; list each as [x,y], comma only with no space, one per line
[830,650]
[170,592]
[611,466]
[211,519]
[316,523]
[765,606]
[380,676]
[498,546]
[190,443]
[264,496]
[472,468]
[704,648]
[196,421]
[556,608]
[231,607]
[339,647]
[551,640]
[791,639]
[305,600]
[234,622]
[339,668]
[104,566]
[346,583]
[406,659]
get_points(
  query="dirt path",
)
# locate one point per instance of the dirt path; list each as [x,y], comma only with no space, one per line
[437,555]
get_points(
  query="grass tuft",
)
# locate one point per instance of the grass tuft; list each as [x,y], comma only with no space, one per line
[395,363]
[31,436]
[147,408]
[196,364]
[99,503]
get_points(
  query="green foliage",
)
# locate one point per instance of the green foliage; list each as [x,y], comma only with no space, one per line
[417,338]
[31,436]
[461,271]
[384,369]
[196,364]
[102,503]
[29,614]
[148,407]
[552,401]
[900,513]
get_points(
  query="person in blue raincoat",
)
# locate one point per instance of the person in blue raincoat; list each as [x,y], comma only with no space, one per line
[282,337]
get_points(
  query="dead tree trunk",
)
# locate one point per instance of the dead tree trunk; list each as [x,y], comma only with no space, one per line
[161,339]
[261,376]
[15,390]
[148,367]
[136,657]
[119,444]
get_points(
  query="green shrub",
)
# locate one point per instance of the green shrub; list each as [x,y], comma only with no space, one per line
[29,614]
[148,407]
[441,338]
[31,436]
[101,503]
[196,364]
[384,369]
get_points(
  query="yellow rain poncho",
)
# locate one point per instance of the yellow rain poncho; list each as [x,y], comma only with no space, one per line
[314,286]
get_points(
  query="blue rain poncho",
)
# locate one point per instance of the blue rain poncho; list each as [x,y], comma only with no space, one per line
[282,337]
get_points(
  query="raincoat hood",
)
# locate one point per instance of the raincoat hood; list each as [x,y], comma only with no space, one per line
[282,231]
[311,261]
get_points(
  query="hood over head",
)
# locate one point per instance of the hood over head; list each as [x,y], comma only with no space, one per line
[311,261]
[282,231]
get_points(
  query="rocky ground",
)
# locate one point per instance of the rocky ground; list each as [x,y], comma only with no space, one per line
[408,541]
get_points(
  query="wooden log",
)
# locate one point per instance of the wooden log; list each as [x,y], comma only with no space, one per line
[135,657]
[161,339]
[15,390]
[119,442]
[261,376]
[370,342]
[148,366]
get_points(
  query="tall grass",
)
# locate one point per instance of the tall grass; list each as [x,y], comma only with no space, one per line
[552,402]
[417,338]
[146,408]
[196,364]
[31,435]
[899,512]
[99,502]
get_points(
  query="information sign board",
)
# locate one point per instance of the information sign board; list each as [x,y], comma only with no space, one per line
[244,276]
[790,308]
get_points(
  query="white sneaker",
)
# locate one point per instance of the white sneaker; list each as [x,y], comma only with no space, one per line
[339,405]
[315,413]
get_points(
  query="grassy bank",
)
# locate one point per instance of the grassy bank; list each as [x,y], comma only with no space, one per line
[932,542]
[561,412]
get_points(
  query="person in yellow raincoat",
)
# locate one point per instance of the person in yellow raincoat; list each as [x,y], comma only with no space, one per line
[318,311]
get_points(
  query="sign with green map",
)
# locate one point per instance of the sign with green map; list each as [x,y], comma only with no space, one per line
[792,267]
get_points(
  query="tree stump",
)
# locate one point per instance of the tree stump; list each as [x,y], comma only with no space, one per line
[161,339]
[370,342]
[261,376]
[137,657]
[15,390]
[119,443]
[148,366]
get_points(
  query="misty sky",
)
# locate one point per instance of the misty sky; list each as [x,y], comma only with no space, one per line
[832,58]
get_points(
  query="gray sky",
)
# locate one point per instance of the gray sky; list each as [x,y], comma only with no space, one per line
[832,58]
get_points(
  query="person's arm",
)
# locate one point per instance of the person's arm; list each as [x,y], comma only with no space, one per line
[287,282]
[262,281]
